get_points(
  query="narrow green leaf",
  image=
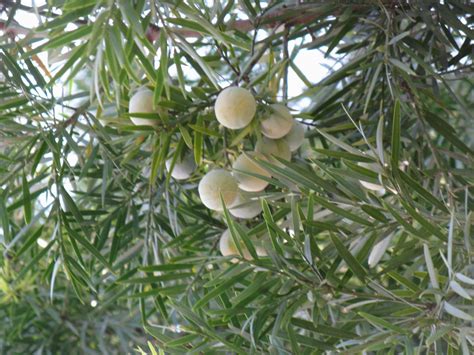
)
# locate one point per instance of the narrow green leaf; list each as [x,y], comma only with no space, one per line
[440,332]
[382,323]
[225,286]
[350,260]
[85,243]
[62,39]
[29,241]
[186,136]
[4,219]
[267,215]
[76,58]
[404,281]
[198,140]
[427,225]
[156,279]
[71,206]
[340,211]
[323,329]
[445,129]
[396,135]
[402,66]
[27,203]
[35,260]
[166,267]
[132,17]
[456,312]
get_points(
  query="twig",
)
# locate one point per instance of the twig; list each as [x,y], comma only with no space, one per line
[77,113]
[286,61]
[254,60]
[203,266]
[289,15]
[226,59]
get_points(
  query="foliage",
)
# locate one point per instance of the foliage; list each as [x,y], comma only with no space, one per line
[103,252]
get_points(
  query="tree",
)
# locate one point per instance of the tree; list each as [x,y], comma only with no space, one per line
[364,239]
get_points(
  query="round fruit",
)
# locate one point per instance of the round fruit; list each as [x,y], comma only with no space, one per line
[261,251]
[182,169]
[274,148]
[307,151]
[227,247]
[247,182]
[258,243]
[214,184]
[226,244]
[245,208]
[278,123]
[142,102]
[295,137]
[235,107]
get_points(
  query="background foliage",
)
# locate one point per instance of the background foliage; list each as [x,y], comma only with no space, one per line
[103,253]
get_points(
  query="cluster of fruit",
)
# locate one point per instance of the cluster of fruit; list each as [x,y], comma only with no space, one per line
[235,108]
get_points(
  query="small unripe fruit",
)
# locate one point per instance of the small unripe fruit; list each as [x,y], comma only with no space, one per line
[182,169]
[278,123]
[235,107]
[247,182]
[142,102]
[214,184]
[295,137]
[245,208]
[274,148]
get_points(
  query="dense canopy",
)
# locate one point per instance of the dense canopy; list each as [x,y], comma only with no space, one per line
[348,230]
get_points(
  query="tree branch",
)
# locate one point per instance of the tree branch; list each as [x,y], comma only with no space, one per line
[289,15]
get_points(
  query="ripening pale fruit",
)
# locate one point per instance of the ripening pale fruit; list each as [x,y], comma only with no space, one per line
[295,137]
[226,244]
[182,169]
[214,184]
[245,208]
[258,244]
[247,182]
[142,102]
[227,247]
[261,251]
[278,122]
[235,107]
[307,151]
[270,147]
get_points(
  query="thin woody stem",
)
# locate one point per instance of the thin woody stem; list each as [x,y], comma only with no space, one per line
[286,60]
